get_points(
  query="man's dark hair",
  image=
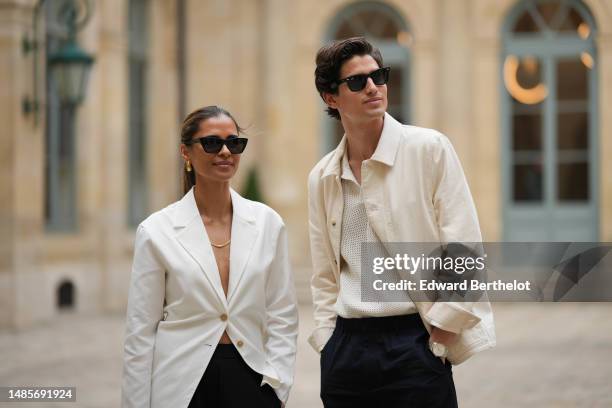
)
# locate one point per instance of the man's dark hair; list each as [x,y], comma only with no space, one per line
[330,59]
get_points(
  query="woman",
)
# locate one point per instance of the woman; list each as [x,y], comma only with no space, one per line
[212,316]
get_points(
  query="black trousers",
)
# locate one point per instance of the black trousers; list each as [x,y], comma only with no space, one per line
[384,362]
[229,382]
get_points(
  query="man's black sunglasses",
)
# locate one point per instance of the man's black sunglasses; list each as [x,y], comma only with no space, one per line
[357,82]
[214,144]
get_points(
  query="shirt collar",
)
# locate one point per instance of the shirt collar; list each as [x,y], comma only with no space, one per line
[347,172]
[389,141]
[385,152]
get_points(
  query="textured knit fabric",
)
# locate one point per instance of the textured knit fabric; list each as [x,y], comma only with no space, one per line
[355,230]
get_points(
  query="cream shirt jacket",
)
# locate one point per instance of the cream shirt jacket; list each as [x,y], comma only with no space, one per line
[177,310]
[414,190]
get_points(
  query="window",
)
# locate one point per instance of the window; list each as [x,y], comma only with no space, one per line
[549,108]
[60,155]
[137,106]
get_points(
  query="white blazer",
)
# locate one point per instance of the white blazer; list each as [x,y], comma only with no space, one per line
[177,310]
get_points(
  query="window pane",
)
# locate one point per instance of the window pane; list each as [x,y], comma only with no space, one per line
[60,205]
[572,21]
[60,145]
[345,30]
[528,182]
[526,24]
[572,131]
[527,132]
[370,23]
[572,80]
[65,195]
[548,11]
[529,72]
[573,181]
[384,27]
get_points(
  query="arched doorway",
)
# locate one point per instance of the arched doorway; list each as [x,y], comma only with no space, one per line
[549,108]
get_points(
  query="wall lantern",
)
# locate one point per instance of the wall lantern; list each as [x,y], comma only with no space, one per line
[70,64]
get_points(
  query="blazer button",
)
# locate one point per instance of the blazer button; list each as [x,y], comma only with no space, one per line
[333,223]
[223,317]
[240,343]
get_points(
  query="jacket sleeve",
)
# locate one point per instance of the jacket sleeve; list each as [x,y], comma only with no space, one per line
[282,319]
[458,223]
[144,311]
[323,282]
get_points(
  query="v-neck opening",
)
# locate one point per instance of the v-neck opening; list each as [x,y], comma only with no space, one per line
[229,257]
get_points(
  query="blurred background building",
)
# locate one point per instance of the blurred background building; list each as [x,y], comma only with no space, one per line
[522,88]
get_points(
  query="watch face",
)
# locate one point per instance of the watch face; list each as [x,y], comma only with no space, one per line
[439,350]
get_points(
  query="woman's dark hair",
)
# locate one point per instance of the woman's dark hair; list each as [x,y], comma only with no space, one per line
[190,127]
[329,62]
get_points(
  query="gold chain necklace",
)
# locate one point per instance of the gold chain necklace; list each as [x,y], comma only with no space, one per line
[221,245]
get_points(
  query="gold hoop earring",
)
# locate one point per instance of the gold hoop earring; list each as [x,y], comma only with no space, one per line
[188,166]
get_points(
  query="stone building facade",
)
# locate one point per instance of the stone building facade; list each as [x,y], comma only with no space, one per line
[521,88]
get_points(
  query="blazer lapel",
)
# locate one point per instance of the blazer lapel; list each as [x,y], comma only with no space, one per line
[244,235]
[193,237]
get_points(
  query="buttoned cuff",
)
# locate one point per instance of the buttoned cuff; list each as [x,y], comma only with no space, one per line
[451,317]
[320,336]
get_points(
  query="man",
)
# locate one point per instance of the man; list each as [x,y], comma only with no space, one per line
[385,182]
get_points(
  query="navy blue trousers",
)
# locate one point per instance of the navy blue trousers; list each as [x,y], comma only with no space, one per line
[384,362]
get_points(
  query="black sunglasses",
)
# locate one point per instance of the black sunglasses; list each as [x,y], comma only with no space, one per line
[214,144]
[357,82]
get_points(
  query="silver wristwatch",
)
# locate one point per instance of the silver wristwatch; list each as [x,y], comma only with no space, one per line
[438,349]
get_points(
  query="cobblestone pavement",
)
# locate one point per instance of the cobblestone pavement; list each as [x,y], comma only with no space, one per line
[548,355]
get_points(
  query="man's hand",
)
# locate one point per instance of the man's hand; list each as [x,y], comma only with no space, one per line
[442,336]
